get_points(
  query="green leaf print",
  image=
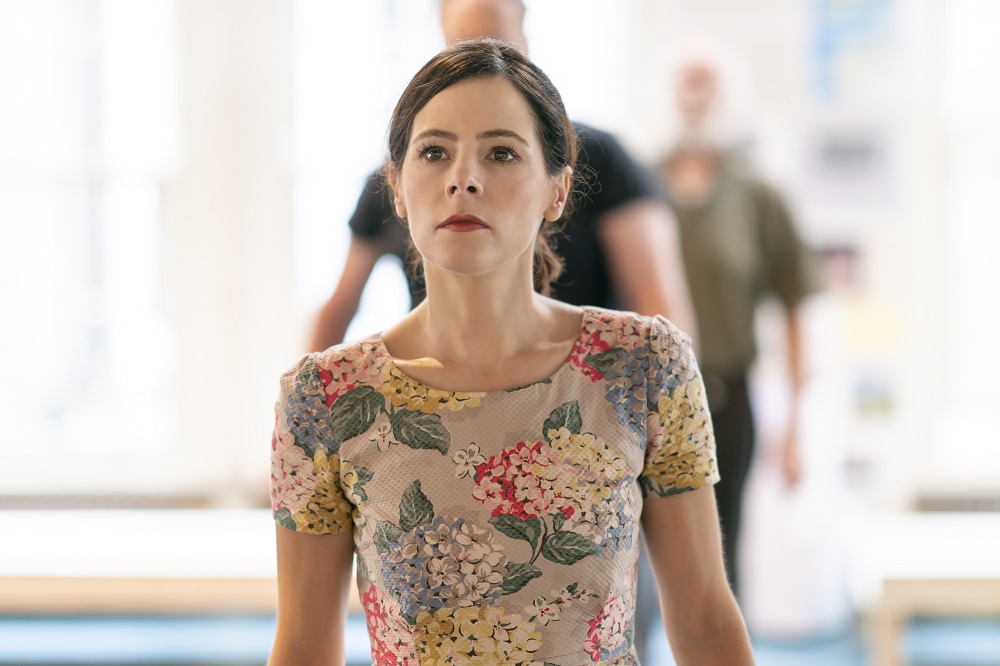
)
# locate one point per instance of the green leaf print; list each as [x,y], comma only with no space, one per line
[414,509]
[524,530]
[518,575]
[650,487]
[307,372]
[603,361]
[547,380]
[284,518]
[630,632]
[386,534]
[567,548]
[558,520]
[364,476]
[420,431]
[567,416]
[355,412]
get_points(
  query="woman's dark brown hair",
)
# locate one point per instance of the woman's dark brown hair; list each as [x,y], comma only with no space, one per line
[487,58]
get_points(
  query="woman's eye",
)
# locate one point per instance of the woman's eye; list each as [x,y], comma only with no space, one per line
[503,154]
[432,154]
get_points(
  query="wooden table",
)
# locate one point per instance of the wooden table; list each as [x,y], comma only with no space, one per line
[942,565]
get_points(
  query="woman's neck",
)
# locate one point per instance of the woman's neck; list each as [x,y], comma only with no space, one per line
[484,326]
[466,318]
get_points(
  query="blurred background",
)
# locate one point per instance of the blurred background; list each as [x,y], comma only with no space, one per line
[175,182]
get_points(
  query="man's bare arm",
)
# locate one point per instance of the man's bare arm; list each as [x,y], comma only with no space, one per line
[337,313]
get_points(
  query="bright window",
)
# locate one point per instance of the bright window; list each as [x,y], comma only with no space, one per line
[88,126]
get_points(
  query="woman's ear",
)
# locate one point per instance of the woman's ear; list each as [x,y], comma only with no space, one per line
[561,183]
[397,200]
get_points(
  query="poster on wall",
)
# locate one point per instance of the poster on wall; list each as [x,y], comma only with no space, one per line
[848,150]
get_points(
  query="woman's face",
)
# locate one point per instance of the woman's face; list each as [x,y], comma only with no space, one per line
[473,185]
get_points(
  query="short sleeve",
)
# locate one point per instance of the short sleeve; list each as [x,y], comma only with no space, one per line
[306,494]
[612,177]
[789,268]
[680,444]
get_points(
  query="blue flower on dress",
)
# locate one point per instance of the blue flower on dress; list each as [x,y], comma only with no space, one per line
[307,413]
[625,380]
[448,562]
[619,520]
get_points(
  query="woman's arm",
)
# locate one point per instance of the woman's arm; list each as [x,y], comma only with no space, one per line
[314,579]
[701,617]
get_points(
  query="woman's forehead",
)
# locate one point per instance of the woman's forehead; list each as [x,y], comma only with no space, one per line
[476,105]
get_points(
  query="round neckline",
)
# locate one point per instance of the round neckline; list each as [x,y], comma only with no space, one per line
[577,344]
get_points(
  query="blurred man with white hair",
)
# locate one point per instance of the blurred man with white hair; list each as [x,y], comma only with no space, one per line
[740,245]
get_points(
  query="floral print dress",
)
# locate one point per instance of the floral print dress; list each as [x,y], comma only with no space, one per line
[498,527]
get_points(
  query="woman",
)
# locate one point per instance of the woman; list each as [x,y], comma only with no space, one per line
[487,456]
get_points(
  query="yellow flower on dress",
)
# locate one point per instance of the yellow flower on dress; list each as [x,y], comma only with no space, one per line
[685,457]
[349,478]
[587,451]
[326,511]
[475,635]
[402,391]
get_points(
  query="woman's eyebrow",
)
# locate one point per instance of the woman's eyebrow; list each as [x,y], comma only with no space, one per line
[497,133]
[440,134]
[488,134]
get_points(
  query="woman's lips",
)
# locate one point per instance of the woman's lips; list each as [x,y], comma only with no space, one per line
[463,223]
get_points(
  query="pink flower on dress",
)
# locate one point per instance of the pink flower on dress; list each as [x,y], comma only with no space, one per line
[606,638]
[590,343]
[391,639]
[343,371]
[292,477]
[526,482]
[601,333]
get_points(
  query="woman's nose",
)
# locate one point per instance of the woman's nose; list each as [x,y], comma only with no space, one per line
[464,180]
[455,188]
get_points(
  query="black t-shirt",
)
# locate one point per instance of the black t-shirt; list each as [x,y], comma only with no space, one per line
[610,179]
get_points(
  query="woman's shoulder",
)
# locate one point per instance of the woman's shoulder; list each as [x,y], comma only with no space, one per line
[630,330]
[342,367]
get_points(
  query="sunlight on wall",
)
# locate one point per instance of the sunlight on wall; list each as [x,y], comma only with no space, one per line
[971,103]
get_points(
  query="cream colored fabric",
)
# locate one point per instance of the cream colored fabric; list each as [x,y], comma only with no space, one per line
[496,527]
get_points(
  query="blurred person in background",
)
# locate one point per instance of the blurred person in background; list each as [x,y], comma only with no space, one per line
[619,247]
[739,245]
[481,164]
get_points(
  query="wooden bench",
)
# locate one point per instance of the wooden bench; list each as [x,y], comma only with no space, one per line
[138,561]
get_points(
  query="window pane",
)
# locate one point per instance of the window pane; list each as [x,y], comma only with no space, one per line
[88,127]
